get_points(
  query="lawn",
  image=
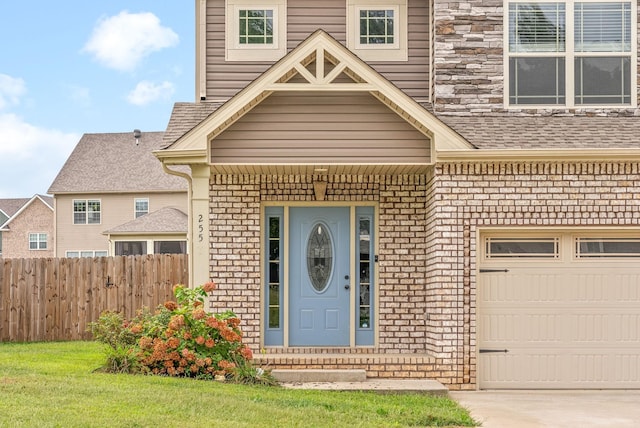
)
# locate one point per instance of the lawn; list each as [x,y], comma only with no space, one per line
[55,385]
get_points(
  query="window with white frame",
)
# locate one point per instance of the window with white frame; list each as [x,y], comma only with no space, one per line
[377,29]
[86,253]
[141,207]
[37,241]
[86,211]
[256,31]
[571,53]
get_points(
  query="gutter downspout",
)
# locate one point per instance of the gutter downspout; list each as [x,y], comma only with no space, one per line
[189,216]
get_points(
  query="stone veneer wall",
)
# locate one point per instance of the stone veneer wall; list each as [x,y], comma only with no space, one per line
[469,63]
[471,196]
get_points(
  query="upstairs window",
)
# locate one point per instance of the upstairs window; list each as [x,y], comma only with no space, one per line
[141,207]
[255,27]
[37,241]
[255,31]
[377,29]
[571,53]
[86,211]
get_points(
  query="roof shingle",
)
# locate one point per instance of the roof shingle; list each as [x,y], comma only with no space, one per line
[164,220]
[113,162]
[184,117]
[547,132]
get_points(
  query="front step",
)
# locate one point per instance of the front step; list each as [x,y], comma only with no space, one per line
[319,375]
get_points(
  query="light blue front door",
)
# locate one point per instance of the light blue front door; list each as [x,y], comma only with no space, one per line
[319,276]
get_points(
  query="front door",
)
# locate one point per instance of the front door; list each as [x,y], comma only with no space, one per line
[319,276]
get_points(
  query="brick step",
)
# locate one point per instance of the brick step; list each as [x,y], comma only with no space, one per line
[374,365]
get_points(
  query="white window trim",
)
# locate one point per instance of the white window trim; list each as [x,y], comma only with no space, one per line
[66,253]
[86,223]
[241,52]
[37,234]
[398,51]
[569,56]
[150,242]
[135,209]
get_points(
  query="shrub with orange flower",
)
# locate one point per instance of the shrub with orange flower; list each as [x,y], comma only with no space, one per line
[171,305]
[208,287]
[181,339]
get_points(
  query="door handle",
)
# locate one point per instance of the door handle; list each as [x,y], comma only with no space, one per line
[346,287]
[492,351]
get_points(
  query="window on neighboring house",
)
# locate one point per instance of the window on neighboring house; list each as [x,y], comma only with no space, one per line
[377,29]
[131,248]
[86,253]
[86,211]
[37,241]
[170,247]
[141,207]
[255,32]
[571,53]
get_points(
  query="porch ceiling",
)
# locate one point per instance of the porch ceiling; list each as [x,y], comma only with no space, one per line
[297,169]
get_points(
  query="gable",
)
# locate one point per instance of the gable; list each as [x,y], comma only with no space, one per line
[318,65]
[321,128]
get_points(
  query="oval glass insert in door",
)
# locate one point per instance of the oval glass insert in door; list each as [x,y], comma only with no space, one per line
[319,257]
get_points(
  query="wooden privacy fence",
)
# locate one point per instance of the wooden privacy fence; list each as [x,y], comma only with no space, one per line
[49,299]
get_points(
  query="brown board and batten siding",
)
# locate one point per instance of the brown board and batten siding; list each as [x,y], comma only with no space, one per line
[321,127]
[226,78]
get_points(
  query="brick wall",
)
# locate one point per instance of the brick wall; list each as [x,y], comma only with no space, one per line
[235,249]
[427,231]
[36,218]
[471,196]
[235,246]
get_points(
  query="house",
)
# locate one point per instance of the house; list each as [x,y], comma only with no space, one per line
[113,197]
[26,227]
[421,189]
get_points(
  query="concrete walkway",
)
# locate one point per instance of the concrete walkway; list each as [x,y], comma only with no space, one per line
[397,386]
[558,409]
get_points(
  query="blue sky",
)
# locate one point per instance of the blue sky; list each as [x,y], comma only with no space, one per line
[84,66]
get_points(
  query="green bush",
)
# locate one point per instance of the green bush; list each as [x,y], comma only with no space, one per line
[179,339]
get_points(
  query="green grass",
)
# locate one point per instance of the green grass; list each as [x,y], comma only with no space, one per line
[55,385]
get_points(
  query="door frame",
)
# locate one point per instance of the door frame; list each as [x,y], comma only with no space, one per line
[285,237]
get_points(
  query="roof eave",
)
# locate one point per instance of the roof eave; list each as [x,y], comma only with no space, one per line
[181,157]
[538,154]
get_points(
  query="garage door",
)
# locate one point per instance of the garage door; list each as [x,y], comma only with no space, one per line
[559,310]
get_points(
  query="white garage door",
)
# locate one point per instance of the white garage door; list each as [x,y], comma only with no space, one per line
[559,310]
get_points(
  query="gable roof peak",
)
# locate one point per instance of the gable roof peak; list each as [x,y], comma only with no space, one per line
[318,63]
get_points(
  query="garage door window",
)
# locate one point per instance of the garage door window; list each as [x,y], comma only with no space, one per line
[500,248]
[607,247]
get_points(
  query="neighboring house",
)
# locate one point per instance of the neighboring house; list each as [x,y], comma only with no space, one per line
[112,184]
[26,227]
[426,189]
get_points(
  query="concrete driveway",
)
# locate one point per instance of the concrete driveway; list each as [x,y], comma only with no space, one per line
[525,409]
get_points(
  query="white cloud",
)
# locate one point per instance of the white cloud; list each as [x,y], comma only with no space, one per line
[122,41]
[146,92]
[11,89]
[30,157]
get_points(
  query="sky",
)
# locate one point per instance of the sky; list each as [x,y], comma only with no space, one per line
[83,66]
